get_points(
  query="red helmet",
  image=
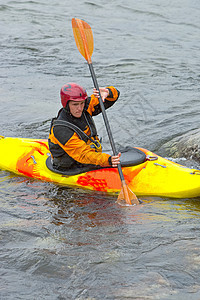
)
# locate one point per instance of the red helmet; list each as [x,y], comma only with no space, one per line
[72,91]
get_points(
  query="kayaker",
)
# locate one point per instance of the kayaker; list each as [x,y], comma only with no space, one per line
[73,139]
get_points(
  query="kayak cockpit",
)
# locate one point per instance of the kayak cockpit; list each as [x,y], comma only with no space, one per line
[129,157]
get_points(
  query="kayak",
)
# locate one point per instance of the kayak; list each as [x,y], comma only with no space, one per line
[150,175]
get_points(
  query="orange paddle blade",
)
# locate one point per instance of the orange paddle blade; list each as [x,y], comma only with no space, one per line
[83,38]
[126,196]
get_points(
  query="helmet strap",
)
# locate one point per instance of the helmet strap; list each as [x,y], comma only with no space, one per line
[66,108]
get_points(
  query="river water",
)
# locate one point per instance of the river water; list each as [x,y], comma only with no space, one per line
[60,243]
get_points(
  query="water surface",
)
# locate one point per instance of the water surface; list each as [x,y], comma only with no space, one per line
[60,243]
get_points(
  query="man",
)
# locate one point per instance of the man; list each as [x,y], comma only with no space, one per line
[73,139]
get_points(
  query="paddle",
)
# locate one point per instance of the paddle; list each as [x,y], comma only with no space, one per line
[84,41]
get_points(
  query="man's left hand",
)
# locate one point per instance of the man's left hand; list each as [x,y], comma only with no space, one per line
[104,93]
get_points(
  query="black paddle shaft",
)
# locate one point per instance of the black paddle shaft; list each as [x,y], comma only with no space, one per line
[105,118]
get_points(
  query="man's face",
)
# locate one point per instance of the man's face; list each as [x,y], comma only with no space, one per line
[76,108]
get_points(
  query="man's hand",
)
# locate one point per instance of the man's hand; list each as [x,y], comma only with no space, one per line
[104,93]
[115,160]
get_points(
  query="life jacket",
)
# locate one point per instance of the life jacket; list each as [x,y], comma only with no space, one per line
[60,158]
[95,143]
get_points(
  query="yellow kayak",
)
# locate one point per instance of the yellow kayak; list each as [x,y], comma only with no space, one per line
[154,176]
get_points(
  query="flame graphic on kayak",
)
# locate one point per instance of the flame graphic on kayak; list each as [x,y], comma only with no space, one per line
[27,165]
[107,179]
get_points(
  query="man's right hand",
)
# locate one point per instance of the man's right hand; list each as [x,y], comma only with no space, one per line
[115,160]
